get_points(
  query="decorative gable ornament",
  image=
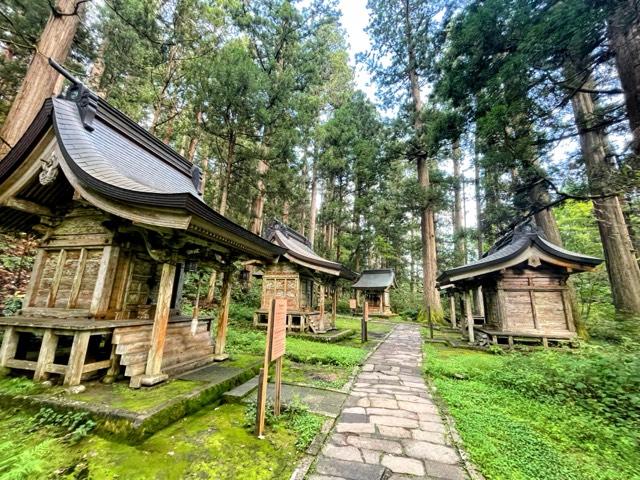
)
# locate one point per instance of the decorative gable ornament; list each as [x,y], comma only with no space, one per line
[49,170]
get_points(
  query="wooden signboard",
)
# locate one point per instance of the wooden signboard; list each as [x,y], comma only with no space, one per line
[353,304]
[274,351]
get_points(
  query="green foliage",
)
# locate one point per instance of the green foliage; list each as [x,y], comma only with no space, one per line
[12,305]
[20,463]
[294,416]
[241,313]
[545,415]
[77,425]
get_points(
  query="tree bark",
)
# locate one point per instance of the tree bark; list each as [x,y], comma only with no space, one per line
[40,80]
[313,210]
[622,267]
[624,35]
[427,223]
[478,195]
[460,249]
[226,180]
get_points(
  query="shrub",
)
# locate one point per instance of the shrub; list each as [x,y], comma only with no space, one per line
[604,380]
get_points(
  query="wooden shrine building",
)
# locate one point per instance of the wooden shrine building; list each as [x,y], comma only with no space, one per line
[375,286]
[120,219]
[524,284]
[302,277]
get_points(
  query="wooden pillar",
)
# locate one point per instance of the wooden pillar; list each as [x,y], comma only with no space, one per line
[334,306]
[479,301]
[468,301]
[104,281]
[9,346]
[223,316]
[73,375]
[153,373]
[321,305]
[46,355]
[452,308]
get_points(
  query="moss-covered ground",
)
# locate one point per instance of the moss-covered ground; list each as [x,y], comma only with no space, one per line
[214,443]
[542,414]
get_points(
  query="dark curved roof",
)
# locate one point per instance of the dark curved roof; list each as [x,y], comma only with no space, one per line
[299,250]
[112,155]
[509,248]
[380,279]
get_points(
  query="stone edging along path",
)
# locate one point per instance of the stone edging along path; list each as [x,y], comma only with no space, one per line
[389,427]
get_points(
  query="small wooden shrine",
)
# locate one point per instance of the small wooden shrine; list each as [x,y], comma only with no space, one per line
[375,286]
[304,279]
[120,219]
[524,283]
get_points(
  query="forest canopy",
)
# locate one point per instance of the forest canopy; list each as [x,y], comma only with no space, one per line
[487,114]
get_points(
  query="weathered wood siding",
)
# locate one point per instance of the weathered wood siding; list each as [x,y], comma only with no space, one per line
[182,350]
[529,300]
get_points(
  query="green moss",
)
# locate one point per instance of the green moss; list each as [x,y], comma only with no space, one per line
[213,443]
[119,395]
[19,386]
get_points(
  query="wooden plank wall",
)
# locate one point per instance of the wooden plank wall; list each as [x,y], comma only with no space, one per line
[181,348]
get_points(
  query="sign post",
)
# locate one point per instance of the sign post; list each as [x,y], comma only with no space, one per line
[274,351]
[365,319]
[353,305]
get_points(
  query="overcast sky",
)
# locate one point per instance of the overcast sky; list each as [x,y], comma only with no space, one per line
[354,20]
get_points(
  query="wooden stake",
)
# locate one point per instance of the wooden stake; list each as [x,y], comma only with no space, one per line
[262,396]
[364,337]
[278,390]
[223,315]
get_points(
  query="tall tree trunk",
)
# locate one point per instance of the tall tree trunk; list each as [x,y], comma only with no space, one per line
[460,250]
[39,82]
[622,267]
[313,209]
[478,196]
[97,70]
[224,193]
[193,142]
[427,222]
[624,35]
[257,206]
[285,212]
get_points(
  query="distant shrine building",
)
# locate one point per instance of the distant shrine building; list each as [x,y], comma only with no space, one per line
[523,279]
[375,287]
[302,277]
[120,220]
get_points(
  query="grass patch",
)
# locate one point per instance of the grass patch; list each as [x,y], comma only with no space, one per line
[316,375]
[353,323]
[519,418]
[298,349]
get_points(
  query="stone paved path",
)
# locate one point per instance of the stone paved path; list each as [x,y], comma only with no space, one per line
[389,427]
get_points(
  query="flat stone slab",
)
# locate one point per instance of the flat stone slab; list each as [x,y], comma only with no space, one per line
[322,402]
[241,391]
[390,426]
[214,373]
